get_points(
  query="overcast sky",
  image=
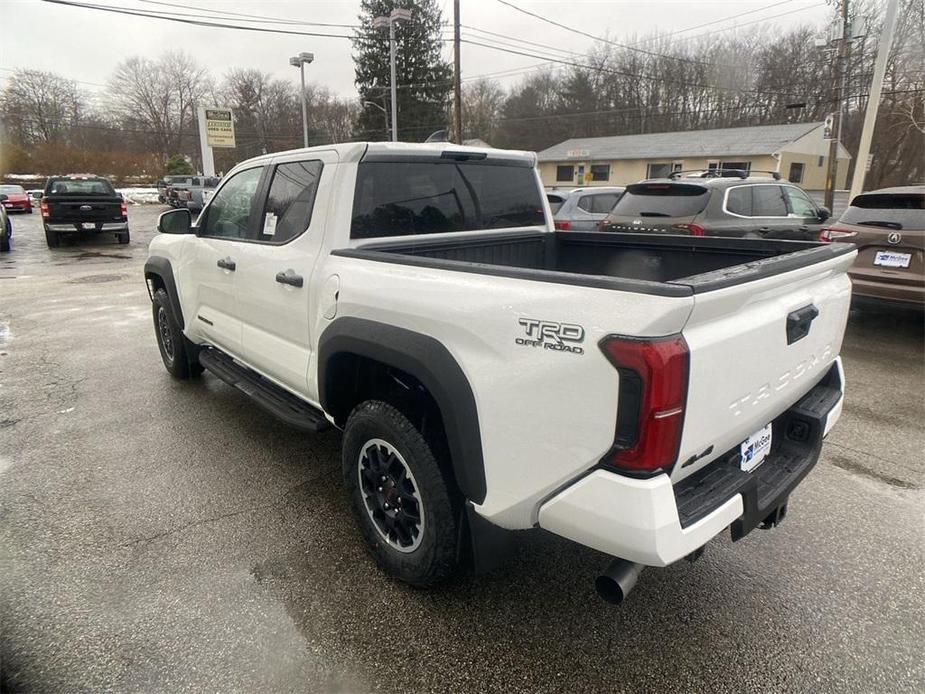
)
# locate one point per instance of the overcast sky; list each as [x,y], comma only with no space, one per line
[85,44]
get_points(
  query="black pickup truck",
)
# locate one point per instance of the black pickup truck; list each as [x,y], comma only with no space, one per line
[82,203]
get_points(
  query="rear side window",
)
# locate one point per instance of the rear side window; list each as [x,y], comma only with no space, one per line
[290,201]
[598,204]
[401,198]
[768,201]
[739,201]
[661,200]
[906,209]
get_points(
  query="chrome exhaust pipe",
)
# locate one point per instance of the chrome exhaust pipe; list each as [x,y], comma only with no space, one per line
[617,580]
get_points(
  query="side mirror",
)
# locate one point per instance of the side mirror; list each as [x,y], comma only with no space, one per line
[175,222]
[824,214]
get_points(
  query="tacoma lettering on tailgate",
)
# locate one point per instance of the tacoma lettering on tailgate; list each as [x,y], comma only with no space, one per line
[808,365]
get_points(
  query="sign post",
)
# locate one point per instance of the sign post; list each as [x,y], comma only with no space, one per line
[216,129]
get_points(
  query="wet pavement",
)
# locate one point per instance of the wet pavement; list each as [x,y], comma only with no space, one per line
[165,536]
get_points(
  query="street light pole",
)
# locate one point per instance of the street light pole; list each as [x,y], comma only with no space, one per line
[397,15]
[300,61]
[393,83]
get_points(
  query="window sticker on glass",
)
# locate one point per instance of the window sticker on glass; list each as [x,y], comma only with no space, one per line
[269,224]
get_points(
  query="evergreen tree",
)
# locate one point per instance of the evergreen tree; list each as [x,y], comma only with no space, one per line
[424,78]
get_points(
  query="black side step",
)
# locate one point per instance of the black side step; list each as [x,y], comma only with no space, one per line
[267,394]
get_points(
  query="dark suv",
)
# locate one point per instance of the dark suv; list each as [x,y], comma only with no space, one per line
[718,203]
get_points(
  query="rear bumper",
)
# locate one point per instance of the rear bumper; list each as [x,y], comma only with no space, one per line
[907,290]
[76,227]
[653,522]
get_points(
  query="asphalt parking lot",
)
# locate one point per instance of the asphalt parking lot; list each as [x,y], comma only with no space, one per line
[157,535]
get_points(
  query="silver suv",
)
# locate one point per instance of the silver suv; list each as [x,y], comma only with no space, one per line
[582,209]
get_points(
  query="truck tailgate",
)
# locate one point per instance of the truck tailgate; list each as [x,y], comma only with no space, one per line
[745,366]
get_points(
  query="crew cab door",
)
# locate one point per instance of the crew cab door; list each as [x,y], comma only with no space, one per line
[209,273]
[275,287]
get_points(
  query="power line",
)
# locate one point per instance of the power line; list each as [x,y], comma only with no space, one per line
[599,38]
[754,21]
[622,73]
[228,14]
[715,21]
[215,25]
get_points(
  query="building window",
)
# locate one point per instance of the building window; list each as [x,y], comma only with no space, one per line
[796,172]
[600,172]
[659,170]
[821,160]
[745,166]
[712,165]
[565,173]
[677,167]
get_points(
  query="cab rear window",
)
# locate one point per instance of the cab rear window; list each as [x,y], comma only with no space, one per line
[398,198]
[661,200]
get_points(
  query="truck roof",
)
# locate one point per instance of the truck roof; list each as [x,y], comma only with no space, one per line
[355,151]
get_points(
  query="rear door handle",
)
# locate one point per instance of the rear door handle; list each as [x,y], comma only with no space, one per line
[289,277]
[226,264]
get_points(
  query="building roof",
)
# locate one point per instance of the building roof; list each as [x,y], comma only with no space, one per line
[722,142]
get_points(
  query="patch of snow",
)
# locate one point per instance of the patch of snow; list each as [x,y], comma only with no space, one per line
[139,196]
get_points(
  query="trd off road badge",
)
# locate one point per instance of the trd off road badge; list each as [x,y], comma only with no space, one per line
[559,337]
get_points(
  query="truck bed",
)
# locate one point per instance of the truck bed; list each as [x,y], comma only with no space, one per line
[664,265]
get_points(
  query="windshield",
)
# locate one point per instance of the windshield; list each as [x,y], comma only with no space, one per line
[661,200]
[12,190]
[80,186]
[399,198]
[889,210]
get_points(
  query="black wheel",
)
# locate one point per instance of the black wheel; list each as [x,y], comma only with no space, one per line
[123,237]
[4,244]
[404,501]
[179,354]
[52,238]
[30,210]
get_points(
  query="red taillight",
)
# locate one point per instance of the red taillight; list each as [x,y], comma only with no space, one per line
[43,206]
[829,234]
[653,393]
[123,208]
[563,225]
[692,229]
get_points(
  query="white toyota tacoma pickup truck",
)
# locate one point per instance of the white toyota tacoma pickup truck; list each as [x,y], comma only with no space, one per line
[636,394]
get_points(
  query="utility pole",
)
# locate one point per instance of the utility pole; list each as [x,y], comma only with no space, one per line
[838,100]
[873,99]
[457,78]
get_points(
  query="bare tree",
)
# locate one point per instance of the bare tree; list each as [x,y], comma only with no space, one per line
[159,99]
[39,106]
[482,104]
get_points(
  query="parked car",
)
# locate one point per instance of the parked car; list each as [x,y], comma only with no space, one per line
[732,204]
[82,203]
[888,227]
[164,184]
[17,200]
[493,374]
[583,209]
[6,227]
[189,194]
[556,199]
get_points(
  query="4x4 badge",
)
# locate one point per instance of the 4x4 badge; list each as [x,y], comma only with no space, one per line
[894,238]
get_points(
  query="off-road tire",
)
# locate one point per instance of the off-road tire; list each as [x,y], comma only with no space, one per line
[179,355]
[436,557]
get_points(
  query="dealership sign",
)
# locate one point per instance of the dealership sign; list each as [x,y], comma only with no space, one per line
[577,153]
[219,127]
